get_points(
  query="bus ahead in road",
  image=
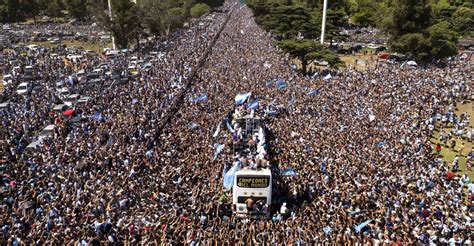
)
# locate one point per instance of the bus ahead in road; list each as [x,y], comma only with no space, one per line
[255,185]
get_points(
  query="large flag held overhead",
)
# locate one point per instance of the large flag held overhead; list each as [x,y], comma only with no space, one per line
[241,98]
[288,172]
[97,117]
[270,83]
[254,105]
[270,112]
[216,133]
[201,98]
[313,93]
[229,176]
[229,127]
[361,226]
[281,84]
[218,149]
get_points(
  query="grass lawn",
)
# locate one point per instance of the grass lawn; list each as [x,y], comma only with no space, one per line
[448,153]
[97,47]
[350,60]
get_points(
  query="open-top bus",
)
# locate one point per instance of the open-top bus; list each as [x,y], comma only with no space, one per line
[252,188]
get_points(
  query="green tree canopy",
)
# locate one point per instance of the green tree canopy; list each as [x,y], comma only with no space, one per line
[211,3]
[463,20]
[307,50]
[200,9]
[286,21]
[421,31]
[77,9]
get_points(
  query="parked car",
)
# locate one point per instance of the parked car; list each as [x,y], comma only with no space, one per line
[71,100]
[7,79]
[59,108]
[23,88]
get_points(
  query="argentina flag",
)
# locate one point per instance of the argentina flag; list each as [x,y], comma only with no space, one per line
[241,98]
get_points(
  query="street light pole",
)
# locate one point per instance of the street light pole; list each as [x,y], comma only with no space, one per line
[323,27]
[111,22]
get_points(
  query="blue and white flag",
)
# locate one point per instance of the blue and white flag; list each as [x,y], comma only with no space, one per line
[110,141]
[327,230]
[288,172]
[224,171]
[270,112]
[216,133]
[281,84]
[230,175]
[134,101]
[292,101]
[96,117]
[229,127]
[218,149]
[192,125]
[381,144]
[313,93]
[241,98]
[254,105]
[270,83]
[201,98]
[314,75]
[360,226]
[327,76]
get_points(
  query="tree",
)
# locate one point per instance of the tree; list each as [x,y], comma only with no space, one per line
[77,8]
[286,21]
[415,45]
[3,13]
[163,17]
[442,40]
[212,3]
[413,33]
[335,18]
[126,25]
[200,9]
[364,12]
[307,50]
[408,16]
[463,20]
[54,8]
[12,9]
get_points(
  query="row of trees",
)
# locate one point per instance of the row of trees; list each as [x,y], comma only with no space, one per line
[131,19]
[297,26]
[20,10]
[427,30]
[151,18]
[422,29]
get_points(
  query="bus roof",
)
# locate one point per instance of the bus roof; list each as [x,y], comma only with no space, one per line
[263,171]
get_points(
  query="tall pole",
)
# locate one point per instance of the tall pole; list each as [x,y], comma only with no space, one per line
[323,27]
[111,22]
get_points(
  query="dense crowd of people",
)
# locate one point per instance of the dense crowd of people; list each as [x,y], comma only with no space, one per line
[142,168]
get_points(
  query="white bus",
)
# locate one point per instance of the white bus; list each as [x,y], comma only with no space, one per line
[255,185]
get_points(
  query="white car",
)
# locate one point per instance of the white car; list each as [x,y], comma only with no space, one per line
[64,91]
[372,46]
[22,88]
[71,100]
[7,79]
